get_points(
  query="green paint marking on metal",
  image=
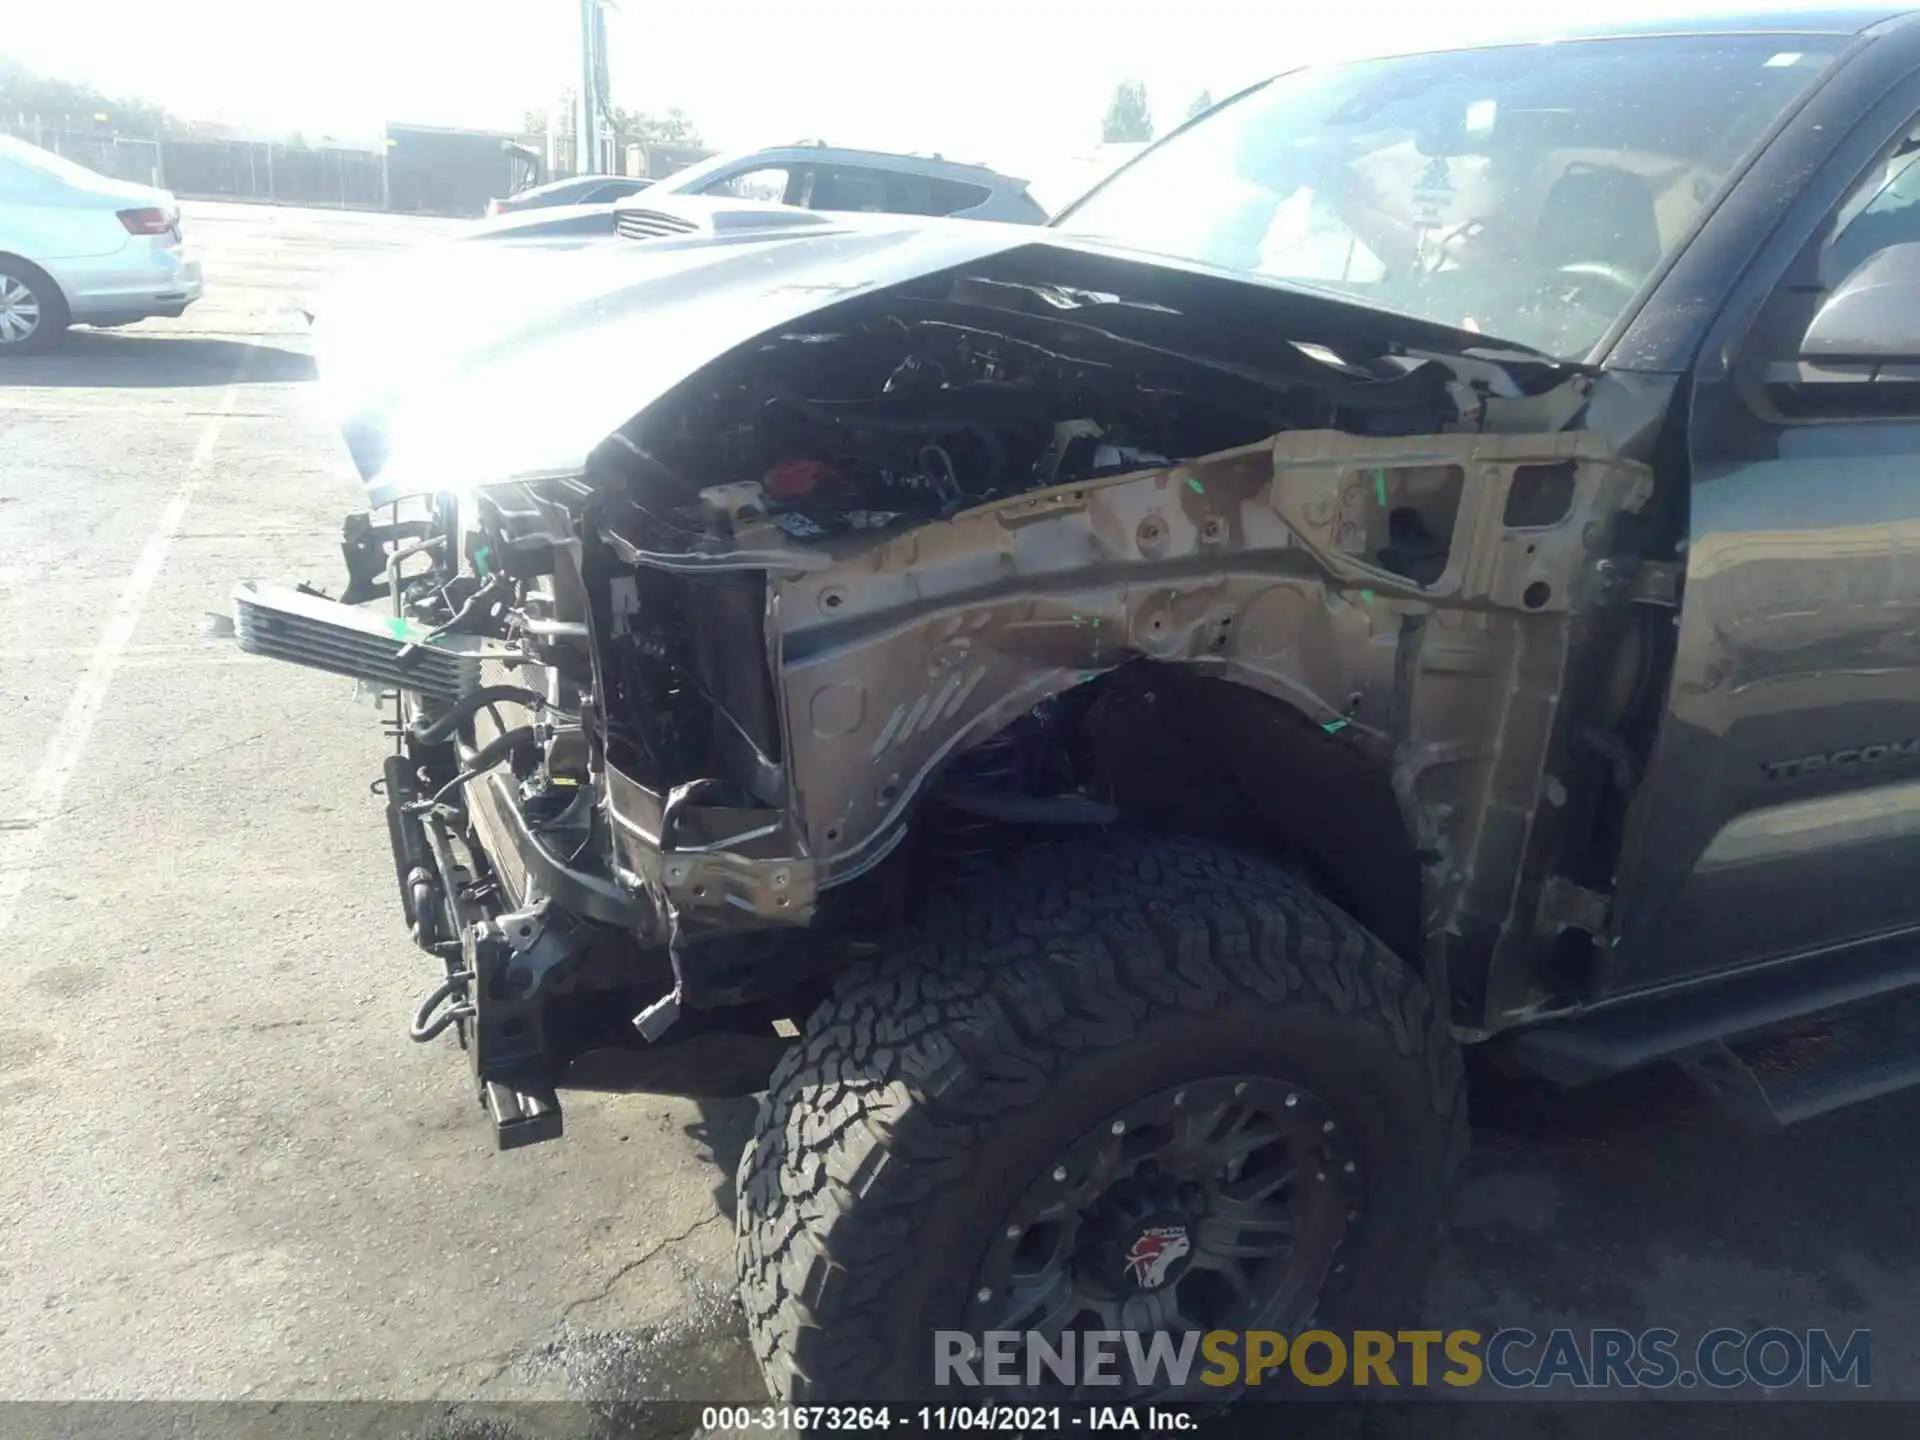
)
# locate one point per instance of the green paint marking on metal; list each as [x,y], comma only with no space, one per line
[1195,486]
[1366,597]
[481,557]
[1380,487]
[400,629]
[1334,727]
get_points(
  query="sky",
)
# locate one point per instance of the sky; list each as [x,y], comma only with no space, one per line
[1004,82]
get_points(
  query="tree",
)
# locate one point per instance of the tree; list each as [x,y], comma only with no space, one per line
[64,105]
[672,128]
[1129,120]
[1202,101]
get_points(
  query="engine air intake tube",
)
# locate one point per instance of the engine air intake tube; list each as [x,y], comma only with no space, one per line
[444,725]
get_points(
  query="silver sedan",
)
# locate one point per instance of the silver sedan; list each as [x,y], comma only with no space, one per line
[79,247]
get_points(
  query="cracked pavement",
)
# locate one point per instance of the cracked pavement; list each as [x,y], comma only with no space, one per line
[229,1175]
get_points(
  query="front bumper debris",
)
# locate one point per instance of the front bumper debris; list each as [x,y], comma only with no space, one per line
[495,961]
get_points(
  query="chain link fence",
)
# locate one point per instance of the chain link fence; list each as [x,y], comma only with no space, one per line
[124,157]
[283,174]
[269,171]
[220,169]
[421,169]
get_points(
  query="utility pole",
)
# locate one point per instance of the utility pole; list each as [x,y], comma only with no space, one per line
[587,144]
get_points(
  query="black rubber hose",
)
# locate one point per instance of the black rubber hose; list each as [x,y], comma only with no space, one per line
[445,725]
[426,1024]
[485,758]
[497,749]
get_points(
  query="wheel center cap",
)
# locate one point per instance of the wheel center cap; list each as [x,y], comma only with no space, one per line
[1158,1254]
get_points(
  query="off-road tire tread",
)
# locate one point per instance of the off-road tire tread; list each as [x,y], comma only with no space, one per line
[918,1053]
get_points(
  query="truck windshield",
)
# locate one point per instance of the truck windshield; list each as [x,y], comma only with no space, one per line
[1526,192]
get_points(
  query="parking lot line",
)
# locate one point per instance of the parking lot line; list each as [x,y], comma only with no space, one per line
[26,833]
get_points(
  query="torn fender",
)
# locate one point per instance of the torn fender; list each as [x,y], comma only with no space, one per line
[1262,564]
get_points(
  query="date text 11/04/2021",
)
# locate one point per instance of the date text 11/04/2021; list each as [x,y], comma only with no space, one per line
[1772,1358]
[961,1419]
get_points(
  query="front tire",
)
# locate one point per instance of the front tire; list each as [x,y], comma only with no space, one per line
[33,313]
[1081,1040]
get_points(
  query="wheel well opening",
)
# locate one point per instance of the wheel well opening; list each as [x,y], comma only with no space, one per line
[1176,752]
[12,261]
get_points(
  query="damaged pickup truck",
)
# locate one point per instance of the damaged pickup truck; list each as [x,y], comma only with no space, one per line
[1091,721]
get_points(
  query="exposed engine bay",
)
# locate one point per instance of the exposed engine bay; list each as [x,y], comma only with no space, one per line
[682,730]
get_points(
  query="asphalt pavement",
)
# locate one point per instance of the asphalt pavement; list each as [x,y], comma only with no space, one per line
[227,1172]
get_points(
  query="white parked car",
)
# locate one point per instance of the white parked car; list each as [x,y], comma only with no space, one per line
[77,246]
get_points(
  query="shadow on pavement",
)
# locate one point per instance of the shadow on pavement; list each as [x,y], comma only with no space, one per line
[723,1130]
[1639,1202]
[99,359]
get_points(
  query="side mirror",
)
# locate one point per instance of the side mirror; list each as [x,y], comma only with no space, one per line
[1873,318]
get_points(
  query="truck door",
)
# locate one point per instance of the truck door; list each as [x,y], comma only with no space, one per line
[1780,814]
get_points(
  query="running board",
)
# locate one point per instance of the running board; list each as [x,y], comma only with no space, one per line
[1684,1023]
[1815,1066]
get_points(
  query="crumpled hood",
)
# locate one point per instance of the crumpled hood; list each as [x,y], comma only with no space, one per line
[477,361]
[467,363]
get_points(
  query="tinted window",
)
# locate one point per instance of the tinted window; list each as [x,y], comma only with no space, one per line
[618,190]
[767,183]
[849,187]
[1884,211]
[558,192]
[1525,191]
[1023,208]
[1881,209]
[925,195]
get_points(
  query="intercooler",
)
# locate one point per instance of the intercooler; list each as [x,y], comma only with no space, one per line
[282,623]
